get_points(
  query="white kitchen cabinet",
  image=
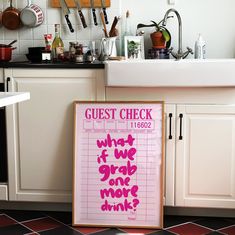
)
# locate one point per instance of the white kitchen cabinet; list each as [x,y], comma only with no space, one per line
[205,156]
[170,114]
[200,166]
[40,131]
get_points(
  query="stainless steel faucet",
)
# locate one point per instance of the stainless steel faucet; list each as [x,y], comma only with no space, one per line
[180,54]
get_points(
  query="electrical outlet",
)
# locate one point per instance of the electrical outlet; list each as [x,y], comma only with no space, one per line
[171,2]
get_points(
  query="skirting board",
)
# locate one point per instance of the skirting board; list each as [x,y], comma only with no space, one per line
[40,206]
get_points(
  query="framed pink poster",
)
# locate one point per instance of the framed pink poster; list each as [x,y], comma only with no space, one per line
[118,164]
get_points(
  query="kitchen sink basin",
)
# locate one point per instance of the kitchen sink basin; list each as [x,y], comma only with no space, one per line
[171,73]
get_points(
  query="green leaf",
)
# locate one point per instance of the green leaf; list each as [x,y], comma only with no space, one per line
[166,35]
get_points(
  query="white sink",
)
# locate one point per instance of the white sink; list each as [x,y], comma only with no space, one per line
[171,73]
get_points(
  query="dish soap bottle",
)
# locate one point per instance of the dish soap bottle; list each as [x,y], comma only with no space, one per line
[200,48]
[57,45]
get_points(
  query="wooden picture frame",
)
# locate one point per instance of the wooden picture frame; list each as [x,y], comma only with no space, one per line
[118,164]
[134,47]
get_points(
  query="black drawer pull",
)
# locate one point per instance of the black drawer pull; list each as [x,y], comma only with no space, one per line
[181,120]
[8,80]
[170,126]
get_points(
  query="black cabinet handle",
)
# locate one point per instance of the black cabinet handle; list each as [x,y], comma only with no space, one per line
[181,120]
[8,80]
[170,123]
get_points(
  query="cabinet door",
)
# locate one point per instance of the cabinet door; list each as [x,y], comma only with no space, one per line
[169,154]
[205,156]
[40,131]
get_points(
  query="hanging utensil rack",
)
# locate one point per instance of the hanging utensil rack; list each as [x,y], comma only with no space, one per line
[84,3]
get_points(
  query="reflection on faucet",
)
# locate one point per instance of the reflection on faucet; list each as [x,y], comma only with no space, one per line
[180,54]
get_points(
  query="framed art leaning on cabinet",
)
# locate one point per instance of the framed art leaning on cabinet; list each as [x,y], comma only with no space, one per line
[118,164]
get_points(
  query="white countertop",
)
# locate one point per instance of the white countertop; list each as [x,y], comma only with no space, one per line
[7,98]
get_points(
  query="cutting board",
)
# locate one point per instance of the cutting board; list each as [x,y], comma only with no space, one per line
[84,3]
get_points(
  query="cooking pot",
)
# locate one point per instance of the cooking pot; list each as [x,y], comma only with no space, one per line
[11,17]
[6,53]
[32,15]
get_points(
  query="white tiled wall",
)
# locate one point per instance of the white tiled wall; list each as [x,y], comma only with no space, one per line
[214,19]
[28,37]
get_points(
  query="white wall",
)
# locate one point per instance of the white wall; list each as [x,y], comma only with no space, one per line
[214,19]
[28,37]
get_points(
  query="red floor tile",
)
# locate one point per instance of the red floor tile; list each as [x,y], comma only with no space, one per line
[189,229]
[87,230]
[5,221]
[138,231]
[42,224]
[229,231]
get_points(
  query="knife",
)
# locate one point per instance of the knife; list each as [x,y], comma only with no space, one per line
[104,11]
[66,12]
[77,2]
[93,12]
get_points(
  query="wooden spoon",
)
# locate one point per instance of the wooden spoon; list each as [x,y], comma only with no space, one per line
[104,25]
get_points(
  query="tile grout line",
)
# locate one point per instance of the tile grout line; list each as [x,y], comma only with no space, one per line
[93,232]
[26,221]
[233,225]
[20,223]
[67,225]
[173,226]
[63,223]
[173,233]
[214,230]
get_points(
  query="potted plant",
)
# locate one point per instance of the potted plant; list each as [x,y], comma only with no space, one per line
[161,37]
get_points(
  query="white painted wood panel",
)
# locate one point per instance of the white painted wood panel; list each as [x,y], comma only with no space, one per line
[3,192]
[170,155]
[205,158]
[40,133]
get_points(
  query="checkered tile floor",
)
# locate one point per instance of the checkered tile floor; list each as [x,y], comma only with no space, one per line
[59,223]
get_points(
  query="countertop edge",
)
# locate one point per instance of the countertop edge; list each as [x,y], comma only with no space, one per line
[52,65]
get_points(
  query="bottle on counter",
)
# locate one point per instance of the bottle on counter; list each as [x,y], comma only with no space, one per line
[200,48]
[126,30]
[46,53]
[57,45]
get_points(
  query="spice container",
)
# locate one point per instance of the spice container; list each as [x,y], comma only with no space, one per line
[79,54]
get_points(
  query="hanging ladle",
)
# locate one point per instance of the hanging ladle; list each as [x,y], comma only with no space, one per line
[8,45]
[11,43]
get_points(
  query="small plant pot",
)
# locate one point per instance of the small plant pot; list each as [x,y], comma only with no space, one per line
[158,40]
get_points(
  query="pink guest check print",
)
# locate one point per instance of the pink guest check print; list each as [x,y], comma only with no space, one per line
[118,164]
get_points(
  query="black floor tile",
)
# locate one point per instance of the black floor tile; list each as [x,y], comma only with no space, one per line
[24,215]
[64,217]
[232,220]
[111,231]
[64,230]
[170,220]
[214,223]
[162,233]
[215,233]
[15,229]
